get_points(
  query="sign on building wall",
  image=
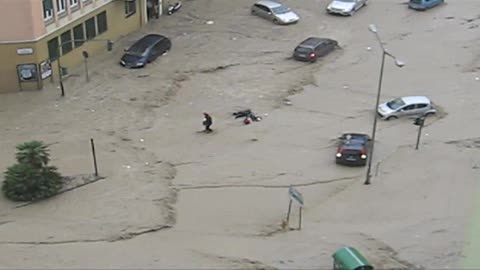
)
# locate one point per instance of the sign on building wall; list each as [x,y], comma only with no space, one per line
[23,51]
[27,72]
[45,69]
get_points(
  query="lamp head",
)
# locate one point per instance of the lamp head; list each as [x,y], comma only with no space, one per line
[399,63]
[372,28]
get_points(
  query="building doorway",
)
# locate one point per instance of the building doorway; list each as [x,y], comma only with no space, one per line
[154,9]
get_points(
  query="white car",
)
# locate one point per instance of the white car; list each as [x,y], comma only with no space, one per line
[345,7]
[406,106]
[275,12]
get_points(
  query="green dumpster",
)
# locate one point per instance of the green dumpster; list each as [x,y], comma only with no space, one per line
[348,258]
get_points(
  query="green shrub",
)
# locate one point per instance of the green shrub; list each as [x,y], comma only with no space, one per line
[31,178]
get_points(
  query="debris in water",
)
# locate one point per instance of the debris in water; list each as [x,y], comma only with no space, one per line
[369,48]
[287,101]
[142,140]
[209,22]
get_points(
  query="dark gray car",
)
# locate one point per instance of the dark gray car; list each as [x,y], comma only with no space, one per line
[145,50]
[313,47]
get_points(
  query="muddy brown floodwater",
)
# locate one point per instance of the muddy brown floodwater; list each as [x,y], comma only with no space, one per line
[176,198]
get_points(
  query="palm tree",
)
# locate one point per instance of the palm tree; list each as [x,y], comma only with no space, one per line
[33,153]
[31,178]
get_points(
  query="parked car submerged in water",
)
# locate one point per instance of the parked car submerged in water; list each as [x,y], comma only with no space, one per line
[145,50]
[313,47]
[345,7]
[406,106]
[424,4]
[274,12]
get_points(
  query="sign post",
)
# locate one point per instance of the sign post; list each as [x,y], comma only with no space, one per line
[85,59]
[420,121]
[296,196]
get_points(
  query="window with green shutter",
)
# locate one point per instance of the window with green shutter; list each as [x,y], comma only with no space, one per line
[102,22]
[90,27]
[130,7]
[66,39]
[78,35]
[53,48]
[47,9]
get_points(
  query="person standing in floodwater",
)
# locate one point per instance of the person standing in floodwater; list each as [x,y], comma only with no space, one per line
[207,122]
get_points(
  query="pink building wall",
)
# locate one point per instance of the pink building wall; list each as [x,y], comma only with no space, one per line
[21,20]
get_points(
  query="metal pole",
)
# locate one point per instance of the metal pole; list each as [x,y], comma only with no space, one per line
[289,210]
[419,133]
[94,157]
[60,72]
[374,129]
[300,218]
[86,69]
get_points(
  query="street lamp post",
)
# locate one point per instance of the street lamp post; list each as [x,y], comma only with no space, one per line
[398,63]
[59,66]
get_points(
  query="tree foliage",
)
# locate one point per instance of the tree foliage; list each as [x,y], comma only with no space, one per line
[31,178]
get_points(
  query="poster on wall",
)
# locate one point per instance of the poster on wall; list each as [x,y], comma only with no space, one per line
[27,72]
[45,69]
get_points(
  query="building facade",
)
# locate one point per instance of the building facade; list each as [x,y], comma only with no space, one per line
[35,33]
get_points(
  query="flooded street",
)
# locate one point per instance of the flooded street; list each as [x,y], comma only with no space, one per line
[174,197]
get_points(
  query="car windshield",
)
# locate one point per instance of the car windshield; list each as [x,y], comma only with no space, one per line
[416,1]
[280,10]
[356,139]
[131,57]
[395,104]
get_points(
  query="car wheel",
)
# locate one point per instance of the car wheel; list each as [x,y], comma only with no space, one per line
[429,114]
[393,117]
[252,12]
[275,21]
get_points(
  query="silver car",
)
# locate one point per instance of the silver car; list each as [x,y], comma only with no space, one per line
[345,7]
[275,12]
[406,106]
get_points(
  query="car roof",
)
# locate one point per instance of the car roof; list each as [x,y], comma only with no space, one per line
[416,99]
[313,41]
[356,142]
[267,3]
[146,41]
[355,135]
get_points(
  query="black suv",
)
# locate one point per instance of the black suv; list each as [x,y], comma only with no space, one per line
[312,48]
[353,149]
[145,50]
